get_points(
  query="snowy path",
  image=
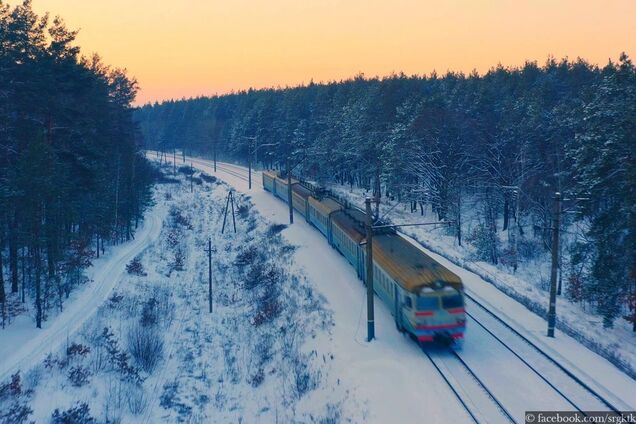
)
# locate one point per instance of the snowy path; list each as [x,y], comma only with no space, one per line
[23,345]
[500,369]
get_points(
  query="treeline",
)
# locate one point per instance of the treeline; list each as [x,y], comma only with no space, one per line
[506,140]
[72,175]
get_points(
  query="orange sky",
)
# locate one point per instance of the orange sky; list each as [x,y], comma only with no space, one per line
[180,48]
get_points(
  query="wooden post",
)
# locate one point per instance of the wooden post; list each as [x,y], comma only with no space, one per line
[555,263]
[369,264]
[290,201]
[514,232]
[209,250]
[215,141]
[249,167]
[233,217]
[227,203]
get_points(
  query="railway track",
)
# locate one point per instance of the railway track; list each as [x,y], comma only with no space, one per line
[233,170]
[541,353]
[478,401]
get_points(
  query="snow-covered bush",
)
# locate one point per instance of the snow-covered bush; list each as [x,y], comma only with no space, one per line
[179,219]
[145,344]
[275,229]
[135,267]
[179,260]
[136,399]
[16,412]
[208,178]
[13,402]
[79,376]
[486,244]
[333,415]
[77,414]
[115,401]
[149,312]
[117,360]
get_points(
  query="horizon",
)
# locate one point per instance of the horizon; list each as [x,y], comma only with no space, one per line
[540,65]
[204,49]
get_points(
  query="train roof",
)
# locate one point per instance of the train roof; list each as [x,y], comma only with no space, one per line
[351,221]
[301,190]
[271,174]
[325,205]
[409,265]
[284,180]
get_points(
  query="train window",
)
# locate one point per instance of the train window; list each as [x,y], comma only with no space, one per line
[408,302]
[452,301]
[427,302]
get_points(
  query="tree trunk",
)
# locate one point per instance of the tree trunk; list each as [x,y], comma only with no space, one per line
[2,293]
[13,253]
[459,218]
[506,213]
[3,296]
[38,287]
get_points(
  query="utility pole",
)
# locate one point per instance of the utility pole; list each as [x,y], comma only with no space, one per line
[369,264]
[250,150]
[174,160]
[254,151]
[289,194]
[209,251]
[517,231]
[513,233]
[191,177]
[215,141]
[555,263]
[249,166]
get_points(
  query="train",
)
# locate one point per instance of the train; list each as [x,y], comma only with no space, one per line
[425,298]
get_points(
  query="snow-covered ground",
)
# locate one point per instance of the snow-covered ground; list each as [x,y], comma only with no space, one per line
[23,344]
[150,351]
[286,341]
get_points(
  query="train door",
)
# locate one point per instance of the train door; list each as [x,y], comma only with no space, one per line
[396,307]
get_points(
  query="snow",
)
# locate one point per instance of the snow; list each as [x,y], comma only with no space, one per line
[210,369]
[24,344]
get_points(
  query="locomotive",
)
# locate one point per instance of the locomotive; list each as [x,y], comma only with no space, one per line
[425,298]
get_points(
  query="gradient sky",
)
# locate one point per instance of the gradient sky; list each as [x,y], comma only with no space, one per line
[183,48]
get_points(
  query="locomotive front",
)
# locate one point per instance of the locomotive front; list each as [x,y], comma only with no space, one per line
[439,313]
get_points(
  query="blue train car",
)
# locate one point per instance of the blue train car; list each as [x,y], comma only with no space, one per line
[269,177]
[320,214]
[300,199]
[424,297]
[347,232]
[280,191]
